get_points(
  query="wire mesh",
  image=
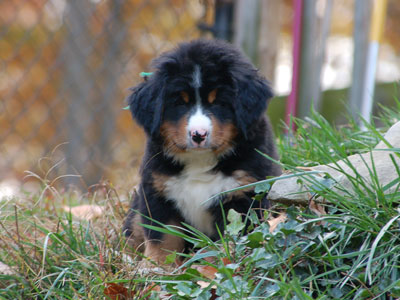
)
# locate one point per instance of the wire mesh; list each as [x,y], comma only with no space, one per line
[65,70]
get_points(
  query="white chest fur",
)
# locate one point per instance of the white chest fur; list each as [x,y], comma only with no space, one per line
[193,187]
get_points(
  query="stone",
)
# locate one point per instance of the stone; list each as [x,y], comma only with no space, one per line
[6,270]
[343,172]
[289,191]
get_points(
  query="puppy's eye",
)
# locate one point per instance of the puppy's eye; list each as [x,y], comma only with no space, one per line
[212,95]
[185,97]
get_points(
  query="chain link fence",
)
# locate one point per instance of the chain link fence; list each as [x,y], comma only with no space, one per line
[65,70]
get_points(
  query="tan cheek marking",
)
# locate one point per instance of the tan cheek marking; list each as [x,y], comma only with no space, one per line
[158,250]
[174,135]
[185,97]
[212,95]
[222,135]
[182,125]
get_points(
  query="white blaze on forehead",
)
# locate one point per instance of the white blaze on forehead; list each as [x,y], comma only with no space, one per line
[196,77]
[199,121]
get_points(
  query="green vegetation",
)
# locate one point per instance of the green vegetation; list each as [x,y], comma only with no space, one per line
[351,252]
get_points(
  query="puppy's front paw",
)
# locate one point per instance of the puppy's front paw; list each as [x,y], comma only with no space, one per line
[147,267]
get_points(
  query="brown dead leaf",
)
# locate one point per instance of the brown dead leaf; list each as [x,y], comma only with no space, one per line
[85,212]
[205,284]
[318,209]
[207,271]
[226,261]
[305,168]
[276,221]
[116,291]
[154,288]
[210,259]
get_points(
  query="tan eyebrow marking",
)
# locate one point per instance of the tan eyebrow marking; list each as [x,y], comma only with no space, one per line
[185,97]
[212,95]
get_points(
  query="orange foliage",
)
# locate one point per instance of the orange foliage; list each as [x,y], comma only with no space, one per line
[33,89]
[34,94]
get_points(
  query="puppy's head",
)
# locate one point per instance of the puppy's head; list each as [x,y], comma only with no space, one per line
[200,97]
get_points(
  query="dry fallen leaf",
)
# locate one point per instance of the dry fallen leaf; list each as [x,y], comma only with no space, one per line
[226,261]
[276,221]
[318,209]
[207,271]
[6,270]
[305,168]
[205,284]
[85,212]
[116,291]
[154,288]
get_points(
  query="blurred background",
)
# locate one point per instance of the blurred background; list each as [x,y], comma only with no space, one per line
[66,67]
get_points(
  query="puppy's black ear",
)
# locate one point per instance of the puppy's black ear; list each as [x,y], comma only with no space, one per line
[252,95]
[146,105]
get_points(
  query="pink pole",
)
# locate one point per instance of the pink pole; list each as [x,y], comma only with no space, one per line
[292,98]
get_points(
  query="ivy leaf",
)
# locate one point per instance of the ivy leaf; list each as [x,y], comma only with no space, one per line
[290,227]
[255,239]
[336,293]
[262,187]
[268,262]
[171,258]
[236,224]
[271,290]
[183,289]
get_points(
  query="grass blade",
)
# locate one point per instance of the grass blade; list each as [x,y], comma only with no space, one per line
[375,244]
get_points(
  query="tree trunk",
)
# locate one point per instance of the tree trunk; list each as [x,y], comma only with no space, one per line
[109,71]
[270,26]
[247,25]
[315,31]
[307,58]
[77,87]
[324,23]
[89,88]
[362,15]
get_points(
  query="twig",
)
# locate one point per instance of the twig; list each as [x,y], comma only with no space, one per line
[16,225]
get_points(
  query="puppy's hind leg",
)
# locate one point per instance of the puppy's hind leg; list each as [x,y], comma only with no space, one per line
[134,233]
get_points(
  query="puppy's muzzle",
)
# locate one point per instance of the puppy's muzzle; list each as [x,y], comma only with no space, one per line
[199,130]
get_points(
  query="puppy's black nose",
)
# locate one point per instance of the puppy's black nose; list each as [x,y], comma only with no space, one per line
[198,136]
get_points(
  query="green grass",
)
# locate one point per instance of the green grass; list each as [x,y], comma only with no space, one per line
[352,252]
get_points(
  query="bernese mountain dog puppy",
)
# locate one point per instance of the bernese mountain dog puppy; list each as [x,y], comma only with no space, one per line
[203,110]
